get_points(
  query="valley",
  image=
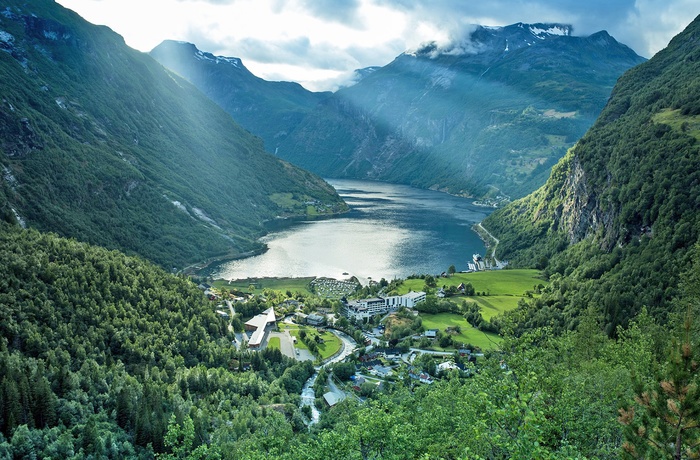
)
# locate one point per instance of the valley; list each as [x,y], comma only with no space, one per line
[349,318]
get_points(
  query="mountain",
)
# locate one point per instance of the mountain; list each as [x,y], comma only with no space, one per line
[617,221]
[268,109]
[485,116]
[100,143]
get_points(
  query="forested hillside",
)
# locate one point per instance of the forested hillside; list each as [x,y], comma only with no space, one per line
[99,350]
[99,142]
[614,224]
[106,356]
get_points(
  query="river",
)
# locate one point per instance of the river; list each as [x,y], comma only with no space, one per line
[391,231]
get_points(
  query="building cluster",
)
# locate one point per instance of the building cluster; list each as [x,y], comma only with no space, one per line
[366,308]
[479,264]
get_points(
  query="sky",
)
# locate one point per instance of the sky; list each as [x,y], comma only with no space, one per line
[319,43]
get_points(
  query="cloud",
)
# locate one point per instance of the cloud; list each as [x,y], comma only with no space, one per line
[644,25]
[331,38]
[345,12]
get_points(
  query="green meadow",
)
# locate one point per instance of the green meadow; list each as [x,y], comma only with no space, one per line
[493,282]
[273,343]
[330,346]
[467,334]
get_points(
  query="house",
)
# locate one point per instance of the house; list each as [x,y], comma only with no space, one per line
[431,333]
[315,320]
[446,366]
[390,353]
[259,325]
[332,399]
[381,371]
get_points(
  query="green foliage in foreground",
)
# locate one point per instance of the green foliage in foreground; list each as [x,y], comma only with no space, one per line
[104,355]
[99,351]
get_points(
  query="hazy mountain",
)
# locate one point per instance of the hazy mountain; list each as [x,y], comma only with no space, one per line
[100,143]
[268,109]
[490,113]
[620,213]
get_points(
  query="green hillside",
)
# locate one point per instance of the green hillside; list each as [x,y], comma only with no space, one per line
[614,224]
[101,352]
[99,142]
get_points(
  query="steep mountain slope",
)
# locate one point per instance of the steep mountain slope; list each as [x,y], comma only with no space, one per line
[621,211]
[490,114]
[100,143]
[269,109]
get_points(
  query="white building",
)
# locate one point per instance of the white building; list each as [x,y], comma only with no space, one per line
[366,308]
[258,324]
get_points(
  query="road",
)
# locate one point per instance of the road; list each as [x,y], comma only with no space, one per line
[493,251]
[349,345]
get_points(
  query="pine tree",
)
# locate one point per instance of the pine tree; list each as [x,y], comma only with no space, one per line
[665,421]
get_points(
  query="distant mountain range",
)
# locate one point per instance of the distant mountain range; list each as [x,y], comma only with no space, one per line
[99,142]
[487,116]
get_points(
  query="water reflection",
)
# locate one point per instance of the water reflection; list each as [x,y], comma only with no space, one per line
[391,231]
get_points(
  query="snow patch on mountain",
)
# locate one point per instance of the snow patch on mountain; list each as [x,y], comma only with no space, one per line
[202,56]
[543,31]
[442,77]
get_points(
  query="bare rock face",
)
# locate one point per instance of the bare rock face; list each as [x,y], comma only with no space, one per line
[581,213]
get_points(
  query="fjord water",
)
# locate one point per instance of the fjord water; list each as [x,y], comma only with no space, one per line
[391,231]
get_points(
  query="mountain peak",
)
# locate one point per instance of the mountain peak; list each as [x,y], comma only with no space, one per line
[479,39]
[181,49]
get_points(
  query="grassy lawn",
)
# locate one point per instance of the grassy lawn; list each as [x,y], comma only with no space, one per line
[494,304]
[468,333]
[331,345]
[275,284]
[274,343]
[495,282]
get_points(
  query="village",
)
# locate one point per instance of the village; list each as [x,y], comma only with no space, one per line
[361,345]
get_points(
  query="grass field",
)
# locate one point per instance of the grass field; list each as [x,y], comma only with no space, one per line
[494,304]
[468,333]
[275,284]
[273,343]
[494,282]
[327,349]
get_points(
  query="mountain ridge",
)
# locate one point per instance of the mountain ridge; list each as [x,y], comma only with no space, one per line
[101,143]
[268,109]
[469,123]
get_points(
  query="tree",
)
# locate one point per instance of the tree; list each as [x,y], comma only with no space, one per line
[180,440]
[452,270]
[665,421]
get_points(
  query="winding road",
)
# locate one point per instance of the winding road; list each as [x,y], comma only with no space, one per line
[499,264]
